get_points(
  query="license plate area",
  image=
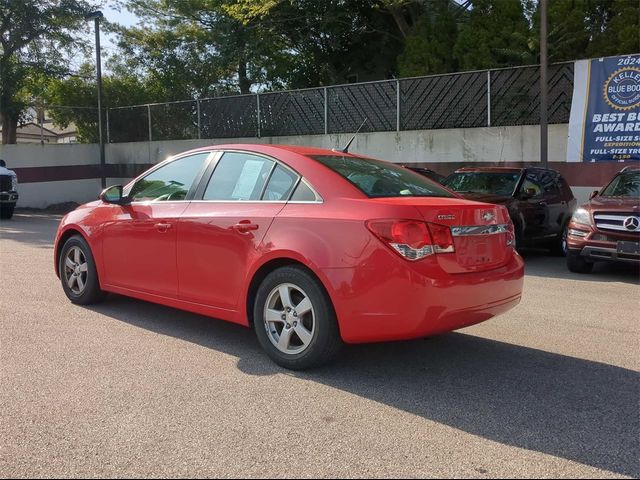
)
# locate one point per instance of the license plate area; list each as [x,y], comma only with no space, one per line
[629,248]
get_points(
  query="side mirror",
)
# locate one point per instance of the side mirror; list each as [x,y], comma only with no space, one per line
[113,195]
[594,194]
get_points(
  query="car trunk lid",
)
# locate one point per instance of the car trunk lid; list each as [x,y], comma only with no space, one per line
[481,232]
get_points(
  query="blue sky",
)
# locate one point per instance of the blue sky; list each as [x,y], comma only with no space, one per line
[117,15]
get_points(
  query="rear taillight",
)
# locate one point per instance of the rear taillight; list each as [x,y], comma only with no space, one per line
[442,238]
[511,235]
[412,239]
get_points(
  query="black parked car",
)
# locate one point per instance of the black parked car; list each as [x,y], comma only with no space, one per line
[8,191]
[539,200]
[427,172]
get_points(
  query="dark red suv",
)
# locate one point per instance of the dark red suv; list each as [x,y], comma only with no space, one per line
[608,226]
[539,200]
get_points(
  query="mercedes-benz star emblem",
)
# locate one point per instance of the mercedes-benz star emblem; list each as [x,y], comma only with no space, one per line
[632,223]
[488,216]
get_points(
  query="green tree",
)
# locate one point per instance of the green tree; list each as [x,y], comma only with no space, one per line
[496,34]
[331,41]
[36,37]
[428,48]
[614,27]
[197,48]
[74,99]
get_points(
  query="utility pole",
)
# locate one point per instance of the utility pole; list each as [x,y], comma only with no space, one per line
[96,17]
[544,133]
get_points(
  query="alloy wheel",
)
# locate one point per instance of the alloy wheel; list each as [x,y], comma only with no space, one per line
[76,270]
[289,319]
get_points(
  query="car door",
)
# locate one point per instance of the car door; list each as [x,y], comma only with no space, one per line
[220,234]
[556,203]
[533,206]
[139,245]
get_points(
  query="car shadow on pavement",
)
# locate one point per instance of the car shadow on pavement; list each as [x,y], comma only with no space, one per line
[31,228]
[576,409]
[541,264]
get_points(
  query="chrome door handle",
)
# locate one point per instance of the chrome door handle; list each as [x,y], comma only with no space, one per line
[163,226]
[245,226]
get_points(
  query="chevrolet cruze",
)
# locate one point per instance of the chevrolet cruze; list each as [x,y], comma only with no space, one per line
[311,248]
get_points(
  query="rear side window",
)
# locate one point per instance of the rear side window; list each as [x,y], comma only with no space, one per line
[303,193]
[280,184]
[376,178]
[238,176]
[549,182]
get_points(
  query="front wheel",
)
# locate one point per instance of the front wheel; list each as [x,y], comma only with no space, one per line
[560,246]
[6,210]
[577,264]
[294,319]
[78,272]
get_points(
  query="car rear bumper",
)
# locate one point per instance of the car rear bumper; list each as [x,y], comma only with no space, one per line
[408,304]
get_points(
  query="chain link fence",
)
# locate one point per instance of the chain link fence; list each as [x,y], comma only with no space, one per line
[503,97]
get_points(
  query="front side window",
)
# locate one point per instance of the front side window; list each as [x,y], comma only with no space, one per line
[532,185]
[238,176]
[624,185]
[496,183]
[376,178]
[170,182]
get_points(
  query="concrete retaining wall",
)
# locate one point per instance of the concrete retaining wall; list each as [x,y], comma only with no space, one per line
[50,174]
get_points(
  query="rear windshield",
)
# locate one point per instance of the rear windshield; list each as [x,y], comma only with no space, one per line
[624,185]
[376,178]
[498,183]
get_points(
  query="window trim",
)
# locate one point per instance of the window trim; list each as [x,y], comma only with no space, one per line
[215,160]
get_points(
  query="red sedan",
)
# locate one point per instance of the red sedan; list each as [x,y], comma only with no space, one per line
[310,247]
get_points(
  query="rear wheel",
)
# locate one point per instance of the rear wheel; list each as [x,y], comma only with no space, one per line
[559,246]
[578,264]
[294,319]
[6,210]
[78,272]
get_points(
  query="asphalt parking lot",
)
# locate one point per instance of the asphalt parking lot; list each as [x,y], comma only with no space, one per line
[127,388]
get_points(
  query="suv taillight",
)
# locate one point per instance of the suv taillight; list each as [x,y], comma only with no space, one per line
[413,239]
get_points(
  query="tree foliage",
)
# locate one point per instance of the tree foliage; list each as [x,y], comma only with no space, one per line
[184,49]
[36,37]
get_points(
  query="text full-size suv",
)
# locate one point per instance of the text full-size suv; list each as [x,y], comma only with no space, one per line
[309,247]
[608,226]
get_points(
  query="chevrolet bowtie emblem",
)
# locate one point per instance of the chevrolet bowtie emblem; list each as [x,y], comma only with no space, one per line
[487,217]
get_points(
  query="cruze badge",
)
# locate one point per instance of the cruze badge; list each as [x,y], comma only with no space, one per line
[487,217]
[632,223]
[446,217]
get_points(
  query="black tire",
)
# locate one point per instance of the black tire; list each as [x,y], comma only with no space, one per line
[325,341]
[91,293]
[578,264]
[559,246]
[6,210]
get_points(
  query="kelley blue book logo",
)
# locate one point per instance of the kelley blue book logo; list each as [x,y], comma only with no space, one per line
[622,88]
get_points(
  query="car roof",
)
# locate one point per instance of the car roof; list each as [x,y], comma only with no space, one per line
[505,169]
[490,169]
[271,148]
